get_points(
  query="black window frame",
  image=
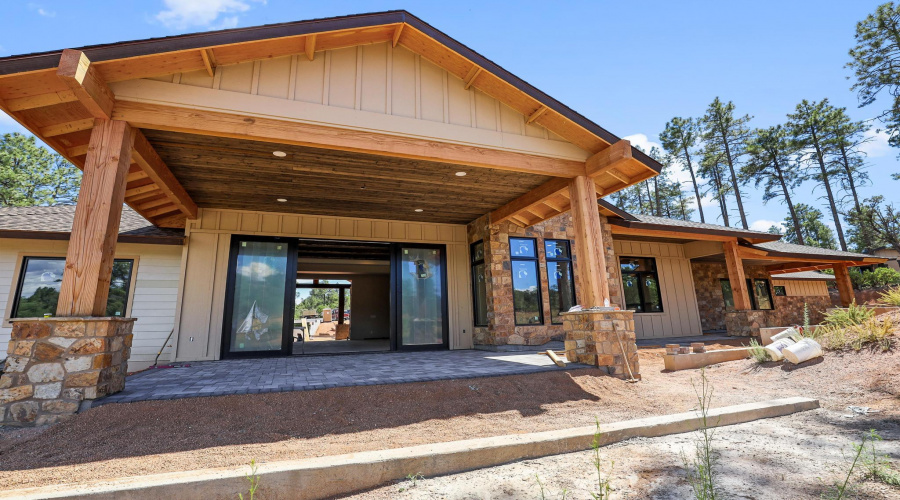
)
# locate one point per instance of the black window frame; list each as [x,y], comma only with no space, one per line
[640,275]
[779,288]
[473,263]
[754,306]
[558,261]
[537,267]
[23,266]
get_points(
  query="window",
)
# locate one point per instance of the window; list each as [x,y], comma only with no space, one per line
[780,291]
[641,284]
[559,278]
[526,285]
[760,295]
[479,284]
[39,282]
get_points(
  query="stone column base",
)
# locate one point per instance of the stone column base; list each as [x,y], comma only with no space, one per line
[748,323]
[55,363]
[592,338]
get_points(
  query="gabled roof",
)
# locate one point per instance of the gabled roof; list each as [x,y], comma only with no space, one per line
[55,223]
[784,249]
[804,276]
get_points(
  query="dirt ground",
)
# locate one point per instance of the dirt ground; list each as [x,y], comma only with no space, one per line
[120,440]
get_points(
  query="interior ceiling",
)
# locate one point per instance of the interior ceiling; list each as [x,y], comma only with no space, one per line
[245,175]
[323,249]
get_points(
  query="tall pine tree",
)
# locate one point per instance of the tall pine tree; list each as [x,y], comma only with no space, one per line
[725,136]
[679,140]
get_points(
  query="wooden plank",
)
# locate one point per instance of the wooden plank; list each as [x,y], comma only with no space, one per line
[844,285]
[143,207]
[159,173]
[92,244]
[136,176]
[397,31]
[589,244]
[150,116]
[473,74]
[609,158]
[537,114]
[66,128]
[209,61]
[41,100]
[532,198]
[310,47]
[86,83]
[146,188]
[167,209]
[736,276]
[79,150]
[135,197]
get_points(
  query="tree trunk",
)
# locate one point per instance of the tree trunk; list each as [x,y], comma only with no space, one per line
[834,211]
[649,198]
[850,178]
[656,192]
[720,194]
[734,182]
[687,158]
[787,198]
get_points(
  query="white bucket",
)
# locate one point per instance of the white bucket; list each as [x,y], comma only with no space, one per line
[775,348]
[791,333]
[803,350]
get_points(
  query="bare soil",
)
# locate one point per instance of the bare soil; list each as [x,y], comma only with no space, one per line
[119,440]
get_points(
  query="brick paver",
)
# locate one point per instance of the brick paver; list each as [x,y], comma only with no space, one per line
[301,373]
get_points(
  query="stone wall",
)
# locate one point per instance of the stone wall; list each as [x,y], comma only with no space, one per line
[604,339]
[55,363]
[501,329]
[707,283]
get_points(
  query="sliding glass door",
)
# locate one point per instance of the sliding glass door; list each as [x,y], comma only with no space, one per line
[420,277]
[259,297]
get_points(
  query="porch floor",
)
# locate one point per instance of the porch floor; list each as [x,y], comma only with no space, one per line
[252,376]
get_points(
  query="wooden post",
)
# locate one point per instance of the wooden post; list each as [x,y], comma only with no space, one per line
[341,299]
[736,276]
[92,244]
[589,245]
[844,285]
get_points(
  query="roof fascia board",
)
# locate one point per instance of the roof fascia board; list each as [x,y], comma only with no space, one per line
[688,229]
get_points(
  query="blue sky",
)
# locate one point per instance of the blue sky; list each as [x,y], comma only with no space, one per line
[629,66]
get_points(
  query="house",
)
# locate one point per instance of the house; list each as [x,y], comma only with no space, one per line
[370,151]
[892,256]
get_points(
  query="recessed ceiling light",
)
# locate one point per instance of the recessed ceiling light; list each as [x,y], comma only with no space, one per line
[419,210]
[460,174]
[281,200]
[280,154]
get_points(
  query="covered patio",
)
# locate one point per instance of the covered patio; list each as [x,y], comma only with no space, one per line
[255,376]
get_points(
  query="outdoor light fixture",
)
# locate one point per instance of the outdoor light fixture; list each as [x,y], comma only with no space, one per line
[281,200]
[419,210]
[280,154]
[460,174]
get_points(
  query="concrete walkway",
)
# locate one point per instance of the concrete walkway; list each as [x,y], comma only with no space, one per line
[301,373]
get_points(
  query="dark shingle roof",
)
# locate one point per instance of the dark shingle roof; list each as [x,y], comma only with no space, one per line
[650,219]
[804,275]
[56,223]
[781,247]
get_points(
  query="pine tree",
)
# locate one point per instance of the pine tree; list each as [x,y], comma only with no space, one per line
[770,163]
[711,169]
[816,233]
[812,127]
[679,140]
[726,136]
[32,175]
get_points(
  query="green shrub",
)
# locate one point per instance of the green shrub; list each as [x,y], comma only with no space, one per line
[891,297]
[880,277]
[853,315]
[870,332]
[758,352]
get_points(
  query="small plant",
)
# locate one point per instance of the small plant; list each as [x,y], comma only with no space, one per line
[603,486]
[411,481]
[253,479]
[701,469]
[871,332]
[806,329]
[891,297]
[877,466]
[543,492]
[758,352]
[853,315]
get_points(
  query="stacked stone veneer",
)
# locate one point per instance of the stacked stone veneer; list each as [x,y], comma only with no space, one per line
[55,363]
[713,316]
[501,328]
[593,338]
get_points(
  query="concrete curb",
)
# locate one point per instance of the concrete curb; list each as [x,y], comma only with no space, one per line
[316,478]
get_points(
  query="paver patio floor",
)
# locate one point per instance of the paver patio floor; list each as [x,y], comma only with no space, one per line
[301,373]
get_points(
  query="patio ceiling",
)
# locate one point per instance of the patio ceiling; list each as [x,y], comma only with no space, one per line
[245,175]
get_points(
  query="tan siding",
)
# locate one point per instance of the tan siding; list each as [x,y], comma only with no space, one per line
[802,288]
[680,316]
[201,314]
[153,300]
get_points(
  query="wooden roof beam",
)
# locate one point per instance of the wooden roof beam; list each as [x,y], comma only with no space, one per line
[209,61]
[310,47]
[472,75]
[155,168]
[397,31]
[537,114]
[79,150]
[608,159]
[66,128]
[41,100]
[86,83]
[530,199]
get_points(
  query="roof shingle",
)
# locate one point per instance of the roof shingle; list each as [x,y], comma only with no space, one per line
[56,221]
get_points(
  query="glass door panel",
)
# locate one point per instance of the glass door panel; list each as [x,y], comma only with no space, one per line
[256,320]
[423,315]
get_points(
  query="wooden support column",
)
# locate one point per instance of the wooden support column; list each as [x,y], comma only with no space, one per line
[736,276]
[589,245]
[92,245]
[844,285]
[341,305]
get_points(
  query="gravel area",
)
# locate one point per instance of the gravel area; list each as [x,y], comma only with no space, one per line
[160,436]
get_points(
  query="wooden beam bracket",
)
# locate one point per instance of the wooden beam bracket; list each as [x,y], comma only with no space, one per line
[86,83]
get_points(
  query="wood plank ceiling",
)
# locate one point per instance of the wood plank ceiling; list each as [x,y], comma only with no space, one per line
[245,175]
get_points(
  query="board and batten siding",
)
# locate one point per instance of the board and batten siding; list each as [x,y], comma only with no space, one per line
[802,288]
[376,88]
[202,298]
[152,299]
[680,316]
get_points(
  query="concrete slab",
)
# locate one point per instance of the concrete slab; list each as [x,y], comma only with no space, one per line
[325,477]
[676,362]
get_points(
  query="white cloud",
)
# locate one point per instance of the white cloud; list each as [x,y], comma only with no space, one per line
[8,125]
[877,145]
[41,11]
[182,14]
[764,225]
